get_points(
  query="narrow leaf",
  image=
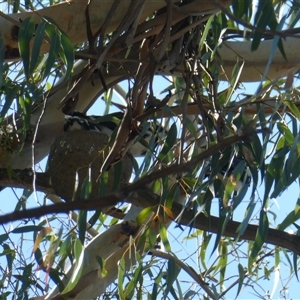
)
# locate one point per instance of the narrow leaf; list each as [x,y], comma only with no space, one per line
[25,35]
[1,59]
[29,228]
[79,256]
[81,223]
[260,236]
[169,143]
[294,109]
[38,41]
[241,278]
[121,277]
[164,237]
[144,215]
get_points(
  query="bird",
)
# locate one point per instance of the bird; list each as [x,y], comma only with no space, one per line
[107,124]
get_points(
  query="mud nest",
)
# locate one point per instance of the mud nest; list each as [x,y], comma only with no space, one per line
[73,155]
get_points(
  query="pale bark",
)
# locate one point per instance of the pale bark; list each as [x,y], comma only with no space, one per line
[70,16]
[71,19]
[110,245]
[256,61]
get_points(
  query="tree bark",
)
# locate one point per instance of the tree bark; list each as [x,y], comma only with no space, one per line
[70,16]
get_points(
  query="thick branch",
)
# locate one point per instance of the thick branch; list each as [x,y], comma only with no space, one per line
[256,61]
[145,199]
[71,19]
[25,179]
[133,194]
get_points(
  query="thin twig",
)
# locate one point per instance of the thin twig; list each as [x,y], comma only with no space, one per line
[189,270]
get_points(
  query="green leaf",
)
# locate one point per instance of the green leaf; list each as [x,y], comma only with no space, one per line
[265,16]
[10,255]
[191,128]
[76,275]
[3,237]
[249,211]
[38,255]
[117,175]
[65,246]
[107,97]
[26,32]
[277,257]
[294,109]
[2,50]
[101,263]
[206,31]
[103,183]
[241,279]
[173,271]
[295,264]
[280,43]
[237,200]
[121,277]
[144,216]
[287,175]
[218,164]
[269,180]
[241,8]
[29,228]
[291,162]
[16,6]
[156,284]
[234,81]
[133,283]
[164,237]
[95,217]
[151,237]
[229,188]
[169,142]
[81,223]
[59,44]
[10,97]
[55,276]
[260,237]
[285,131]
[67,54]
[87,186]
[223,250]
[257,149]
[25,104]
[291,218]
[38,41]
[223,220]
[295,170]
[276,40]
[54,48]
[203,250]
[172,195]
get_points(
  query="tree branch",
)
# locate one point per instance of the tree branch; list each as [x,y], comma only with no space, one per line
[135,193]
[189,270]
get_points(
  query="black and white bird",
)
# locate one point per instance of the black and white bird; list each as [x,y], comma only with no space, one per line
[107,125]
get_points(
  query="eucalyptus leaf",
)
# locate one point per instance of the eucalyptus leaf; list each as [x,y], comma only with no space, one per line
[76,275]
